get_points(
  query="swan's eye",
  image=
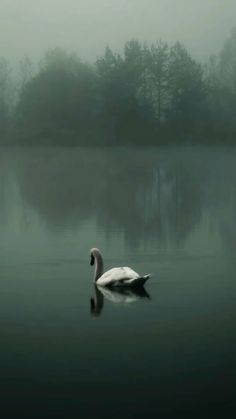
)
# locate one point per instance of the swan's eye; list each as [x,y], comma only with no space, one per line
[92,260]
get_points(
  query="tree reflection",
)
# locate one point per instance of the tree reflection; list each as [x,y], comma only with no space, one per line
[59,184]
[149,196]
[156,201]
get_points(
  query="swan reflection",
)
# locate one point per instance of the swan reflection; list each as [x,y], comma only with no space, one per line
[116,296]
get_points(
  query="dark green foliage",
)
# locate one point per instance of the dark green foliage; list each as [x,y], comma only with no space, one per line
[60,102]
[222,92]
[126,116]
[147,95]
[5,100]
[187,92]
[156,78]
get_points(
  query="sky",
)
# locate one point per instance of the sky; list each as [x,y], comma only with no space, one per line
[30,27]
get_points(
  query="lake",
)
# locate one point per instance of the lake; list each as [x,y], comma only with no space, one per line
[168,351]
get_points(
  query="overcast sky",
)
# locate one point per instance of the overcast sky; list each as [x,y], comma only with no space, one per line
[87,26]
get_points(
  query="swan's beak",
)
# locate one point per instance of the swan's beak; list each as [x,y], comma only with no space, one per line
[92,260]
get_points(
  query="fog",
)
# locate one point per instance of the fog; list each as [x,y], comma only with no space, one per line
[87,26]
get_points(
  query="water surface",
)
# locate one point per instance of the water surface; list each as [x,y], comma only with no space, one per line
[167,352]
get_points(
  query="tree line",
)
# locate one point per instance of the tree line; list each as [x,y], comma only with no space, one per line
[150,94]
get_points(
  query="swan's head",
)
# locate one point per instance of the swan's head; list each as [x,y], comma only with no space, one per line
[95,256]
[94,252]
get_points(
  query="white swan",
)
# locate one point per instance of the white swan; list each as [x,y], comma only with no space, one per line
[115,277]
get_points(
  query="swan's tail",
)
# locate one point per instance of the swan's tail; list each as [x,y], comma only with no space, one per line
[142,279]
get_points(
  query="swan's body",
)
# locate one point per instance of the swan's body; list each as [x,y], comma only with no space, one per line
[123,276]
[115,277]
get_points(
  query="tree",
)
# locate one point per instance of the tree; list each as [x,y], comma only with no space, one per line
[110,78]
[59,103]
[5,96]
[221,82]
[227,62]
[156,77]
[124,107]
[25,73]
[187,91]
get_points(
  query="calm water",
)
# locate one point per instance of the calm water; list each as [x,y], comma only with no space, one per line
[169,352]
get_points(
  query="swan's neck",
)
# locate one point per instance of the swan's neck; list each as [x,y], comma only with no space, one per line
[98,266]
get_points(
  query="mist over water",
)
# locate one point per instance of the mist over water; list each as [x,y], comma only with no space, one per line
[167,351]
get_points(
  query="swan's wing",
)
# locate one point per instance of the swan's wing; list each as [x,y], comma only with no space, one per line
[117,276]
